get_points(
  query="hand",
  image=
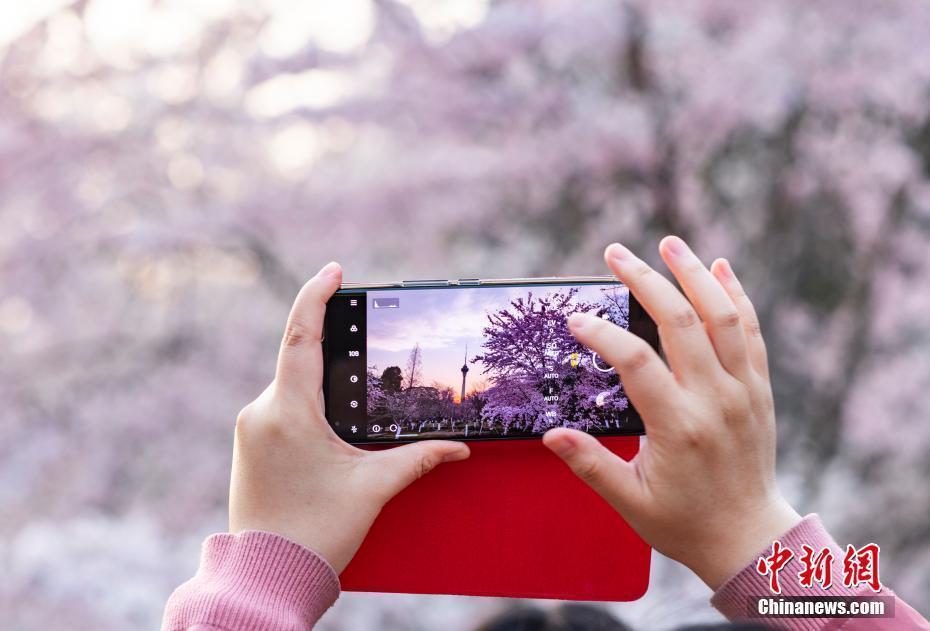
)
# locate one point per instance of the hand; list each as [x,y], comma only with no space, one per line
[702,489]
[291,474]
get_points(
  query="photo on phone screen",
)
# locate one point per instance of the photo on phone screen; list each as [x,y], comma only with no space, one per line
[474,363]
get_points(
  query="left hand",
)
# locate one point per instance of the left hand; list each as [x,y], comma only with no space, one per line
[291,474]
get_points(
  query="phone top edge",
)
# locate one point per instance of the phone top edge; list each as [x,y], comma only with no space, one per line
[481,282]
[547,280]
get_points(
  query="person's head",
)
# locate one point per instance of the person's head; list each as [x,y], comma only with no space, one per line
[577,617]
[568,617]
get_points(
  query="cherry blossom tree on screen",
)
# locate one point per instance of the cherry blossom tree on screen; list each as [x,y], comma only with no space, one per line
[540,376]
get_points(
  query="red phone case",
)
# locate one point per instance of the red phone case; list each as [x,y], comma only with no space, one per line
[513,521]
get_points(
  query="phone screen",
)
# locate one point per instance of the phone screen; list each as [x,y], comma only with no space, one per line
[474,363]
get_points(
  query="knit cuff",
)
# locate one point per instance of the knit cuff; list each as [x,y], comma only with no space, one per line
[254,580]
[734,597]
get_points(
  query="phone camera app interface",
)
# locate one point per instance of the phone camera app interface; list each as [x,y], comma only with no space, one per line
[476,363]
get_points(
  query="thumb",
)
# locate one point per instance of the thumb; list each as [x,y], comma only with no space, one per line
[399,466]
[612,477]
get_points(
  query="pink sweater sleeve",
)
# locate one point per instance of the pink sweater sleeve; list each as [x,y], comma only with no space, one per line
[734,597]
[251,581]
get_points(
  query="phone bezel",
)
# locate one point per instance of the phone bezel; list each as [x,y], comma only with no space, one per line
[472,283]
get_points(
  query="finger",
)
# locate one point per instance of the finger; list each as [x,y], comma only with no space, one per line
[755,344]
[721,318]
[611,477]
[645,377]
[687,347]
[399,466]
[300,360]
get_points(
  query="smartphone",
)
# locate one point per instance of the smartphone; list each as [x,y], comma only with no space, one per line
[474,359]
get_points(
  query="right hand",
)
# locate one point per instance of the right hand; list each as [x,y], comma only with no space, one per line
[702,488]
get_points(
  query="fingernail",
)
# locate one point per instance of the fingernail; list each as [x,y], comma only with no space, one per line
[330,269]
[563,446]
[619,253]
[729,276]
[579,321]
[676,246]
[454,456]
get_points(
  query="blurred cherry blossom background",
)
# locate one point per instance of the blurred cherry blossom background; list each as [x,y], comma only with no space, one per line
[171,170]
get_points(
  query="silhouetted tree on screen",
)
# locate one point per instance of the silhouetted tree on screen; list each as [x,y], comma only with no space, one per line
[392,379]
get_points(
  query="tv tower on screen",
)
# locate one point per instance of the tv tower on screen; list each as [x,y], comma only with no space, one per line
[464,374]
